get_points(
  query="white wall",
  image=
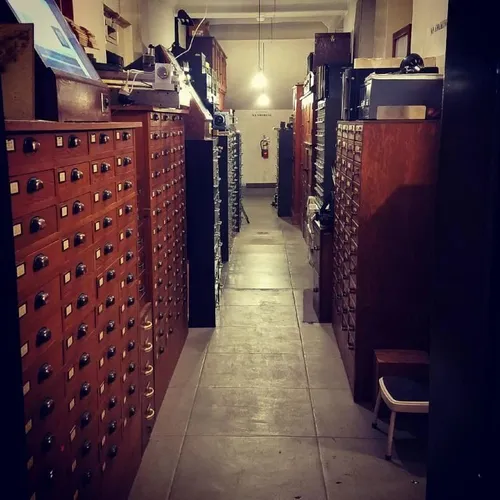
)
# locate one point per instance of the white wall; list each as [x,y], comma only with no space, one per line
[255,168]
[157,24]
[285,65]
[89,14]
[390,16]
[427,13]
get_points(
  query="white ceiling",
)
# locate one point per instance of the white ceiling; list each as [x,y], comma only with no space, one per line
[305,15]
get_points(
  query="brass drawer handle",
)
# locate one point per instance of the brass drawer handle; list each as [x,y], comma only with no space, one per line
[148,371]
[149,392]
[147,326]
[148,347]
[150,414]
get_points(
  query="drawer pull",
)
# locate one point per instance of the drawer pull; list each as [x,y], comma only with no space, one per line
[111,275]
[86,447]
[148,347]
[161,350]
[161,332]
[113,401]
[130,278]
[83,330]
[107,221]
[80,239]
[128,209]
[131,389]
[41,299]
[40,262]
[43,336]
[127,185]
[81,270]
[83,300]
[132,411]
[107,194]
[155,117]
[85,390]
[45,372]
[160,280]
[160,298]
[85,419]
[149,392]
[113,451]
[127,161]
[112,427]
[74,141]
[131,345]
[131,322]
[76,175]
[129,255]
[47,442]
[160,264]
[34,185]
[37,224]
[110,327]
[161,316]
[148,370]
[84,360]
[105,167]
[131,367]
[111,352]
[170,331]
[148,325]
[104,139]
[156,136]
[112,377]
[150,414]
[78,207]
[108,248]
[129,232]
[130,301]
[156,156]
[110,301]
[47,408]
[126,136]
[30,145]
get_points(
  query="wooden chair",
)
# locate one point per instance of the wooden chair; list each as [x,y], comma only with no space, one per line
[401,395]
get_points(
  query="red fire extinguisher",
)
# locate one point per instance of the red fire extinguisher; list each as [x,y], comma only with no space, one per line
[264,147]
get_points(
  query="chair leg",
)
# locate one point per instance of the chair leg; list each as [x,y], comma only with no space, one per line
[376,410]
[390,436]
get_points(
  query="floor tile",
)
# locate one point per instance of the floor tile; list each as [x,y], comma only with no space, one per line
[188,369]
[173,417]
[338,416]
[254,370]
[301,281]
[256,339]
[259,280]
[242,297]
[155,475]
[265,315]
[260,249]
[248,468]
[247,412]
[326,371]
[355,469]
[319,339]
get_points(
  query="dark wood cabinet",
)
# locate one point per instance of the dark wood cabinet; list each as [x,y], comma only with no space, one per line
[322,259]
[298,92]
[384,182]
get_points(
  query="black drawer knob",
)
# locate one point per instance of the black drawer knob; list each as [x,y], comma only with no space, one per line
[85,390]
[40,262]
[78,207]
[113,451]
[161,316]
[130,278]
[83,330]
[41,299]
[43,336]
[81,270]
[37,224]
[170,331]
[156,156]
[129,256]
[74,141]
[84,360]
[104,139]
[132,389]
[113,401]
[112,427]
[127,185]
[80,239]
[127,161]
[111,352]
[156,136]
[160,282]
[110,275]
[30,145]
[129,232]
[110,300]
[108,248]
[131,322]
[87,477]
[49,477]
[105,167]
[131,367]
[107,194]
[128,209]
[161,350]
[45,372]
[107,221]
[85,419]
[110,326]
[111,377]
[76,175]
[160,298]
[156,117]
[126,136]
[131,345]
[161,332]
[130,301]
[82,301]
[132,411]
[47,408]
[160,264]
[48,442]
[86,447]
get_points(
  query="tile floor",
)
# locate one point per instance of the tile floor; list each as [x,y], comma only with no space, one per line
[260,408]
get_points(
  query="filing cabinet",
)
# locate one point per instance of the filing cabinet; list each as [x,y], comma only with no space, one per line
[384,183]
[321,253]
[68,217]
[150,292]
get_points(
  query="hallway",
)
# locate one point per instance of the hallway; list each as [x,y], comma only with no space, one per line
[260,407]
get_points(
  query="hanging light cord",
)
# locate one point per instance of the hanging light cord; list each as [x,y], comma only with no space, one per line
[259,47]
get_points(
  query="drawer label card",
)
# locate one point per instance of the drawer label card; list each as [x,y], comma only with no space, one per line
[10,145]
[103,415]
[62,177]
[101,336]
[95,168]
[98,253]
[97,196]
[59,141]
[67,277]
[122,261]
[122,236]
[71,373]
[97,226]
[68,310]
[124,377]
[93,138]
[71,404]
[119,162]
[26,388]
[17,230]
[29,465]
[101,282]
[24,349]
[69,342]
[28,426]
[103,441]
[101,389]
[120,212]
[72,434]
[65,244]
[101,362]
[22,310]
[120,186]
[124,354]
[14,187]
[100,309]
[64,211]
[125,422]
[73,466]
[124,331]
[118,136]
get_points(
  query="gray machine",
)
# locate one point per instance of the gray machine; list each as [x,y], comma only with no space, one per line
[385,96]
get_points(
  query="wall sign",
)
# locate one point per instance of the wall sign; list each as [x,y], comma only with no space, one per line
[261,114]
[439,26]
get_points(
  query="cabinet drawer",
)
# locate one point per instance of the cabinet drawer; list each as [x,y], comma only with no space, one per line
[128,305]
[106,252]
[108,282]
[72,181]
[124,139]
[81,376]
[102,171]
[77,242]
[127,213]
[101,142]
[124,188]
[71,213]
[126,235]
[103,197]
[77,337]
[78,276]
[79,305]
[32,192]
[105,225]
[109,358]
[154,120]
[108,310]
[126,166]
[30,230]
[110,410]
[128,282]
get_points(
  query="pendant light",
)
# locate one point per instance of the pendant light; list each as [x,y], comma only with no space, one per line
[259,81]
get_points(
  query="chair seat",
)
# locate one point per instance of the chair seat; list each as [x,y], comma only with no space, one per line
[404,395]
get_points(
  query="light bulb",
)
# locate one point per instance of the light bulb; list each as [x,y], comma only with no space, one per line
[259,81]
[263,100]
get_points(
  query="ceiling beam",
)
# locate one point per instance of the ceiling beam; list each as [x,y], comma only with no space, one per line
[288,15]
